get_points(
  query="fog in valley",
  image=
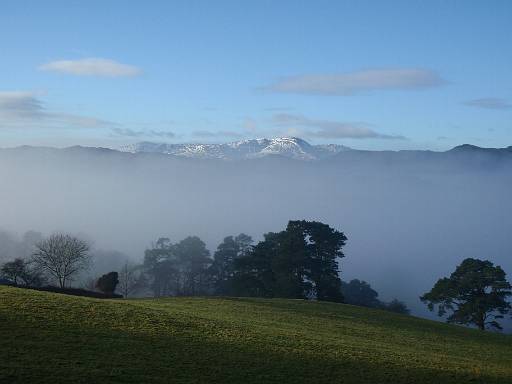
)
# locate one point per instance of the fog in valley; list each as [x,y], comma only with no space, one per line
[410,217]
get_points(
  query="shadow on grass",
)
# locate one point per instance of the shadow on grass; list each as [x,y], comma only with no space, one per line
[39,349]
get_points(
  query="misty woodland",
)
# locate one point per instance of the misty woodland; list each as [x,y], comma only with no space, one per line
[300,262]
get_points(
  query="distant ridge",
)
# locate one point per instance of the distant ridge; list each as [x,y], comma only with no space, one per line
[291,147]
[474,148]
[285,147]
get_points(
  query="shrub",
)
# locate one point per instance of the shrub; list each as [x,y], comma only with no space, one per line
[108,282]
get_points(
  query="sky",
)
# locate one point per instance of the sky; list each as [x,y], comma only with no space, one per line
[368,74]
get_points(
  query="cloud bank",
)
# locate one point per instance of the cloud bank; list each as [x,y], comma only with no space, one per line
[346,84]
[20,105]
[92,67]
[127,132]
[26,110]
[305,127]
[217,134]
[489,103]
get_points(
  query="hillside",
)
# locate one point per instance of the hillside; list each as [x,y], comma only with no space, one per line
[53,338]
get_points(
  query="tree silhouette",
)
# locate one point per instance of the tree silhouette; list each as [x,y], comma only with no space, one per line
[161,266]
[476,293]
[194,259]
[359,292]
[14,271]
[61,256]
[324,248]
[108,283]
[299,262]
[397,306]
[223,267]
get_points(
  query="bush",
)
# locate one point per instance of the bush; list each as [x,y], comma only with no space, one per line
[108,282]
[396,306]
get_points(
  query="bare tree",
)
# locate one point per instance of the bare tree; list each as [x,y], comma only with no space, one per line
[129,280]
[61,256]
[90,283]
[14,270]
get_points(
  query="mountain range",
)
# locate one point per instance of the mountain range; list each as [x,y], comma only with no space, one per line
[291,147]
[288,147]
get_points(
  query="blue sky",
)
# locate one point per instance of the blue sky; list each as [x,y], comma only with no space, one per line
[368,74]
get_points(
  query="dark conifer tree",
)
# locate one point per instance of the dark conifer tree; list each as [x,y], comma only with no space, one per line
[222,269]
[475,293]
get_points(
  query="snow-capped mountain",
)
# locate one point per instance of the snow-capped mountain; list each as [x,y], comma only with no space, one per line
[291,147]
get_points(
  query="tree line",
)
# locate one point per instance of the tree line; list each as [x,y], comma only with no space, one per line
[300,262]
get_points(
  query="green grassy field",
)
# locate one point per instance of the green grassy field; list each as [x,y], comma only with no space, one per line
[53,338]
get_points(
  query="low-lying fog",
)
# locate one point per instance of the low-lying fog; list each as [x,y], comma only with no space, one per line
[409,218]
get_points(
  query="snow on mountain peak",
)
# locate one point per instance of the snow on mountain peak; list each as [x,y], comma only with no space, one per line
[291,147]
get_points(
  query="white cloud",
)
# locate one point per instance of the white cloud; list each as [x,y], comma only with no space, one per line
[489,103]
[215,134]
[165,134]
[91,67]
[26,110]
[118,131]
[346,84]
[302,126]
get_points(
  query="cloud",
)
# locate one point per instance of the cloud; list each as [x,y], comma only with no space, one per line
[299,125]
[166,134]
[25,109]
[80,121]
[92,67]
[127,132]
[20,105]
[215,134]
[346,84]
[489,103]
[278,109]
[118,131]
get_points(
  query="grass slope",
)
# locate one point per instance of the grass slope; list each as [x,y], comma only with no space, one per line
[52,338]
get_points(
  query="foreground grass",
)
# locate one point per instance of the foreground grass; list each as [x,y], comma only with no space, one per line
[53,338]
